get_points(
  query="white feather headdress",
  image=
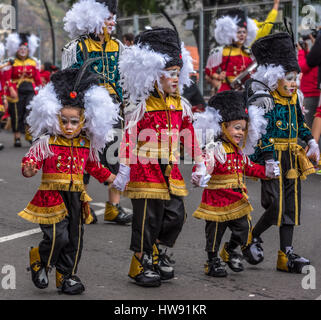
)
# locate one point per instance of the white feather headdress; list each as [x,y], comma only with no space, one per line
[85,17]
[2,50]
[101,113]
[140,69]
[225,31]
[13,43]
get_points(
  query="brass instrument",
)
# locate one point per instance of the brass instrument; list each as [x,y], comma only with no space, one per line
[238,82]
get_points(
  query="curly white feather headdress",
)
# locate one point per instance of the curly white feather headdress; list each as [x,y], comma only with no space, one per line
[15,40]
[225,31]
[85,17]
[142,65]
[71,87]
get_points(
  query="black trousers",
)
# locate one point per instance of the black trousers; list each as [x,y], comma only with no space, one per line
[63,242]
[18,111]
[281,198]
[156,219]
[214,232]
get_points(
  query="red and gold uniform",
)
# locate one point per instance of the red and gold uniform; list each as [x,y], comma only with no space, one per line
[152,149]
[234,61]
[62,172]
[225,201]
[157,137]
[226,198]
[23,76]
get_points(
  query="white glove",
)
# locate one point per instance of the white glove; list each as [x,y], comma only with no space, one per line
[272,169]
[314,150]
[200,178]
[122,178]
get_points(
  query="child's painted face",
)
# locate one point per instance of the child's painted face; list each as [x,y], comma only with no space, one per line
[71,122]
[110,23]
[170,83]
[288,85]
[236,130]
[23,51]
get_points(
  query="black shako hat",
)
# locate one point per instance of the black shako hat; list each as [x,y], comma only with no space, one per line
[239,14]
[111,4]
[24,38]
[71,84]
[276,49]
[165,41]
[230,104]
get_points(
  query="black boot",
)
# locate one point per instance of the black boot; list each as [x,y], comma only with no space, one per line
[253,252]
[93,214]
[215,268]
[1,146]
[39,273]
[17,143]
[143,273]
[72,285]
[115,213]
[163,264]
[232,258]
[291,262]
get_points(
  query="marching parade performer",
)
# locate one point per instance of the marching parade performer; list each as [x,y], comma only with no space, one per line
[235,33]
[22,80]
[71,119]
[90,24]
[234,131]
[3,98]
[153,71]
[275,91]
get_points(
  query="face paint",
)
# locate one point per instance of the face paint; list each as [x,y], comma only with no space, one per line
[169,82]
[110,24]
[71,122]
[23,51]
[288,85]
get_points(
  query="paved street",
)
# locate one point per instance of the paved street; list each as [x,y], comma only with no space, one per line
[106,257]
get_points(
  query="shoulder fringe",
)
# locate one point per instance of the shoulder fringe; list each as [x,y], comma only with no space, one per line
[40,150]
[69,54]
[215,58]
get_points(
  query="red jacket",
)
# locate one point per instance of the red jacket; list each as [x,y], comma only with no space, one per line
[309,81]
[226,198]
[63,171]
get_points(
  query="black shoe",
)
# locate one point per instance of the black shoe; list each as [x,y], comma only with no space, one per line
[291,262]
[93,214]
[253,253]
[39,273]
[142,271]
[123,217]
[116,214]
[232,258]
[163,264]
[1,146]
[72,285]
[215,268]
[17,143]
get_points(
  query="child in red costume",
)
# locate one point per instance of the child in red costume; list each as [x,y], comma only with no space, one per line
[225,201]
[70,132]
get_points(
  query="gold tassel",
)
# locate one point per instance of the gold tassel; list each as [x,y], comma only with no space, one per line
[168,170]
[292,174]
[85,197]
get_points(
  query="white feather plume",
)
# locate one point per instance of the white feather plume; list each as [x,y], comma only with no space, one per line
[187,69]
[84,17]
[33,44]
[256,128]
[44,110]
[225,30]
[140,69]
[2,50]
[12,44]
[269,75]
[208,123]
[251,32]
[101,113]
